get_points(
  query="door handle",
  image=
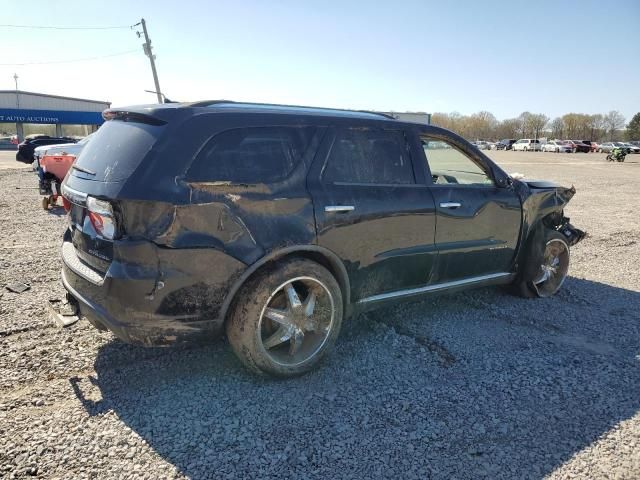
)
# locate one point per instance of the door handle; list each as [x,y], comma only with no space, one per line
[339,208]
[450,204]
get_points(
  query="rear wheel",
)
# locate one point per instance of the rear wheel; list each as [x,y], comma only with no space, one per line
[286,318]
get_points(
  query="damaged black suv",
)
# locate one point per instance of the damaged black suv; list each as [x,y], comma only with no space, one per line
[277,222]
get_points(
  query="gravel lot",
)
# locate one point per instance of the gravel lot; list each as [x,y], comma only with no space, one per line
[480,384]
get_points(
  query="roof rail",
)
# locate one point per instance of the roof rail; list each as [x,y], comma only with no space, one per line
[382,114]
[208,103]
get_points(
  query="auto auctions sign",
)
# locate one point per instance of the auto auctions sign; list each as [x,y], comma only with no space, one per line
[14,115]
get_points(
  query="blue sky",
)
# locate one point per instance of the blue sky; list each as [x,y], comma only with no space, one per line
[502,56]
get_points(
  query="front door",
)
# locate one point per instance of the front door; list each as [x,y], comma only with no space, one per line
[371,211]
[478,223]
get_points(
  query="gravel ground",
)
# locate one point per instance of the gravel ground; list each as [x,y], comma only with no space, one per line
[479,384]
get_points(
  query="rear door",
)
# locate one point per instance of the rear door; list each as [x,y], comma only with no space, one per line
[373,209]
[478,223]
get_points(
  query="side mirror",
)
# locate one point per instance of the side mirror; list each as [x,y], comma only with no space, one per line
[504,181]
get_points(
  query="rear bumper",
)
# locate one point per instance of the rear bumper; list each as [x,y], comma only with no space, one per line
[173,297]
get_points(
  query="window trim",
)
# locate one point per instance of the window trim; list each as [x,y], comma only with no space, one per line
[454,144]
[408,151]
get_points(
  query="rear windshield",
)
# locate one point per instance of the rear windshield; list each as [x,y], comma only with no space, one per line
[116,150]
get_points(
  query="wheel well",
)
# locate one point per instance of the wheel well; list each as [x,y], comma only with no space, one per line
[327,260]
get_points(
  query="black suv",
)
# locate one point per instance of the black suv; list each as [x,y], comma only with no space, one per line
[26,148]
[505,144]
[277,222]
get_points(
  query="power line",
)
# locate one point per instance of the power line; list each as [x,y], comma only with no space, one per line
[68,61]
[67,28]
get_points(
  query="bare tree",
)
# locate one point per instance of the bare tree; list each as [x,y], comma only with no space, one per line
[536,123]
[571,125]
[523,118]
[596,125]
[484,125]
[557,128]
[613,121]
[507,128]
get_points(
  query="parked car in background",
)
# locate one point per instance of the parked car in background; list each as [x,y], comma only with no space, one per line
[60,149]
[6,143]
[608,147]
[265,221]
[481,145]
[635,142]
[578,146]
[505,144]
[631,148]
[592,145]
[557,147]
[605,147]
[26,148]
[527,144]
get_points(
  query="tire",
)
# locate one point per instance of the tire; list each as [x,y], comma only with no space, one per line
[270,329]
[609,158]
[549,275]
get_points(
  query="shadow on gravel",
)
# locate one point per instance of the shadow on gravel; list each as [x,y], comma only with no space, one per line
[479,384]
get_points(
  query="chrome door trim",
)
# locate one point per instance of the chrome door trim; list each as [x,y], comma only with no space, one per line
[450,204]
[339,208]
[434,288]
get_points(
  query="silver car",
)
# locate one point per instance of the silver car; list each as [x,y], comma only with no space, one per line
[557,147]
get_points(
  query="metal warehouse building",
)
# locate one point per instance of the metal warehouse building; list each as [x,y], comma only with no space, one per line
[23,113]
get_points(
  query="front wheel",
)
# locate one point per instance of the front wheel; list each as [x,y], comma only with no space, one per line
[609,158]
[552,271]
[286,318]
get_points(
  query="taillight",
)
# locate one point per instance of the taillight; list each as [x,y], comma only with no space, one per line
[66,204]
[101,217]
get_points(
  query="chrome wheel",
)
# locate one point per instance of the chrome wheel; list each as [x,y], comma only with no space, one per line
[296,321]
[553,269]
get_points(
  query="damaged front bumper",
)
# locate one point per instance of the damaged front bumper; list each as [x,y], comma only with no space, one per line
[571,233]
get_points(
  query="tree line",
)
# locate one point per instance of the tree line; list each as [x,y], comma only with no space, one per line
[573,126]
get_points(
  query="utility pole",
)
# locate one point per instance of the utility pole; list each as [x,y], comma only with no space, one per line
[149,53]
[15,79]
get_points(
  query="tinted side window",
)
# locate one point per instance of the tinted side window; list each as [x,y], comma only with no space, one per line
[251,155]
[369,155]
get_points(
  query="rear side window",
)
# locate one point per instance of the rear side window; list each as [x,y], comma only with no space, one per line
[251,155]
[370,156]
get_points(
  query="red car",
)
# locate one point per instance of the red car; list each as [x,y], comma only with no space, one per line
[579,146]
